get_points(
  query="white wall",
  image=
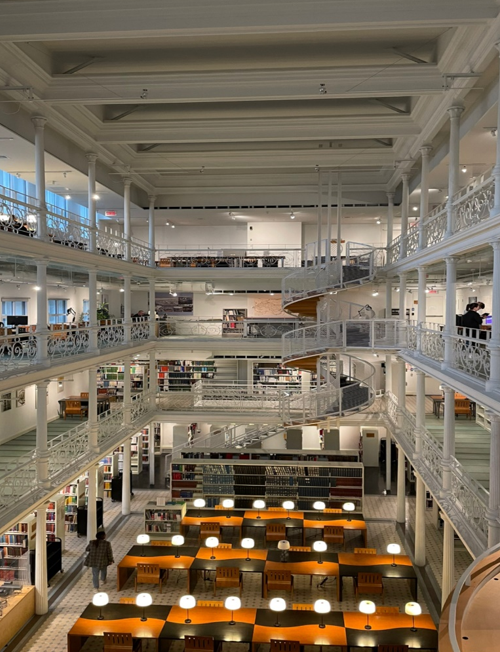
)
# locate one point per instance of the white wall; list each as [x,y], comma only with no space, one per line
[349,437]
[198,237]
[370,234]
[73,295]
[274,233]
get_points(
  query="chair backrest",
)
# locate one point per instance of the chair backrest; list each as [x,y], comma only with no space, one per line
[332,510]
[127,600]
[462,404]
[370,578]
[276,509]
[284,646]
[302,607]
[210,603]
[219,507]
[84,394]
[387,610]
[334,530]
[115,642]
[225,546]
[210,527]
[227,572]
[279,576]
[160,543]
[392,648]
[148,571]
[300,548]
[73,405]
[276,528]
[365,551]
[199,643]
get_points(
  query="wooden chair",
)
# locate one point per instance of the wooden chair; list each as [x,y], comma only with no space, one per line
[74,409]
[387,611]
[332,510]
[199,643]
[302,607]
[392,648]
[278,581]
[219,507]
[463,406]
[160,543]
[276,509]
[228,578]
[127,600]
[369,583]
[300,548]
[365,551]
[334,534]
[275,531]
[148,574]
[210,603]
[225,546]
[284,646]
[209,530]
[84,394]
[114,642]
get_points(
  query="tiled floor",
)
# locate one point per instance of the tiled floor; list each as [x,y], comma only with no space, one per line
[379,511]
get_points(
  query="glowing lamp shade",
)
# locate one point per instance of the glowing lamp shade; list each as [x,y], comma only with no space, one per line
[319,505]
[100,600]
[413,609]
[177,540]
[367,607]
[283,545]
[187,602]
[247,544]
[228,503]
[143,539]
[212,542]
[199,502]
[232,604]
[277,605]
[144,600]
[348,507]
[322,607]
[288,505]
[394,549]
[320,546]
[258,505]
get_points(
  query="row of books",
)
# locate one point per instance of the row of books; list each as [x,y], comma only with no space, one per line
[152,515]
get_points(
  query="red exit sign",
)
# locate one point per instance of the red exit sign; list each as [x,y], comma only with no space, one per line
[109,213]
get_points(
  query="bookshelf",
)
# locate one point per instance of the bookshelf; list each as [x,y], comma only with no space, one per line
[55,519]
[15,545]
[482,418]
[111,378]
[109,469]
[350,455]
[74,497]
[233,322]
[179,375]
[161,520]
[244,480]
[136,455]
[272,375]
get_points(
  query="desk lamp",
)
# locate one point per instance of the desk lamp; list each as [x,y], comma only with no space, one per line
[258,505]
[247,544]
[144,600]
[348,507]
[322,607]
[284,546]
[288,505]
[199,503]
[232,604]
[367,607]
[277,605]
[143,540]
[177,541]
[413,609]
[320,546]
[228,503]
[394,549]
[212,542]
[187,602]
[100,600]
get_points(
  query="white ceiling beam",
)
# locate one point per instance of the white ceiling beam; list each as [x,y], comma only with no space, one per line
[33,20]
[301,83]
[278,129]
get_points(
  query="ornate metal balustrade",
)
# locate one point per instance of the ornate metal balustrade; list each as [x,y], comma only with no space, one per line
[435,226]
[432,344]
[17,350]
[70,340]
[240,397]
[250,256]
[470,355]
[140,329]
[470,499]
[212,327]
[110,334]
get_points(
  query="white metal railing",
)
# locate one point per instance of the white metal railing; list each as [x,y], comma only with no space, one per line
[471,205]
[357,266]
[110,333]
[17,350]
[356,333]
[330,309]
[215,327]
[230,256]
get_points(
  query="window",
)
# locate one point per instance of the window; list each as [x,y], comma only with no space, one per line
[57,311]
[86,310]
[14,308]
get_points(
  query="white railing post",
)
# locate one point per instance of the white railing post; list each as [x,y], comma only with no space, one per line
[449,438]
[151,231]
[493,511]
[422,309]
[92,412]
[420,413]
[127,308]
[450,311]
[454,164]
[152,309]
[390,219]
[493,383]
[94,326]
[92,158]
[405,199]
[424,194]
[39,122]
[42,332]
[42,451]
[127,222]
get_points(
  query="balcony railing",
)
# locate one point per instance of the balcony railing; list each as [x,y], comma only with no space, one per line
[471,205]
[259,328]
[231,256]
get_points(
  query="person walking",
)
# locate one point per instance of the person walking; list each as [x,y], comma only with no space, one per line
[99,558]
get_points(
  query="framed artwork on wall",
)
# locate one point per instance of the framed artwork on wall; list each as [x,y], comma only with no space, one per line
[6,402]
[20,397]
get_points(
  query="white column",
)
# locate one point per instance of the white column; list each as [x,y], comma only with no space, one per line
[448,581]
[340,210]
[39,122]
[42,317]
[152,312]
[388,461]
[422,307]
[151,224]
[420,522]
[401,488]
[153,375]
[41,583]
[493,511]
[449,437]
[390,217]
[420,416]
[405,205]
[493,383]
[318,220]
[126,488]
[92,503]
[92,415]
[94,326]
[42,450]
[496,170]
[402,296]
[424,194]
[450,310]
[127,226]
[388,298]
[92,158]
[127,391]
[152,454]
[127,308]
[453,163]
[328,247]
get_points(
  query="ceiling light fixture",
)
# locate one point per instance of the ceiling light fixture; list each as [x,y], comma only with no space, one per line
[316,168]
[172,226]
[144,94]
[167,223]
[378,221]
[322,89]
[67,197]
[415,208]
[464,168]
[202,169]
[292,215]
[96,197]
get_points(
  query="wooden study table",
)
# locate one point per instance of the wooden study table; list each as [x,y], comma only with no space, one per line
[165,557]
[225,518]
[317,521]
[103,403]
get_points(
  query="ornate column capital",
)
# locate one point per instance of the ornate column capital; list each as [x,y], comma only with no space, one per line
[41,384]
[403,275]
[390,196]
[425,150]
[495,244]
[455,111]
[91,157]
[39,120]
[450,260]
[405,177]
[448,390]
[152,199]
[419,372]
[127,182]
